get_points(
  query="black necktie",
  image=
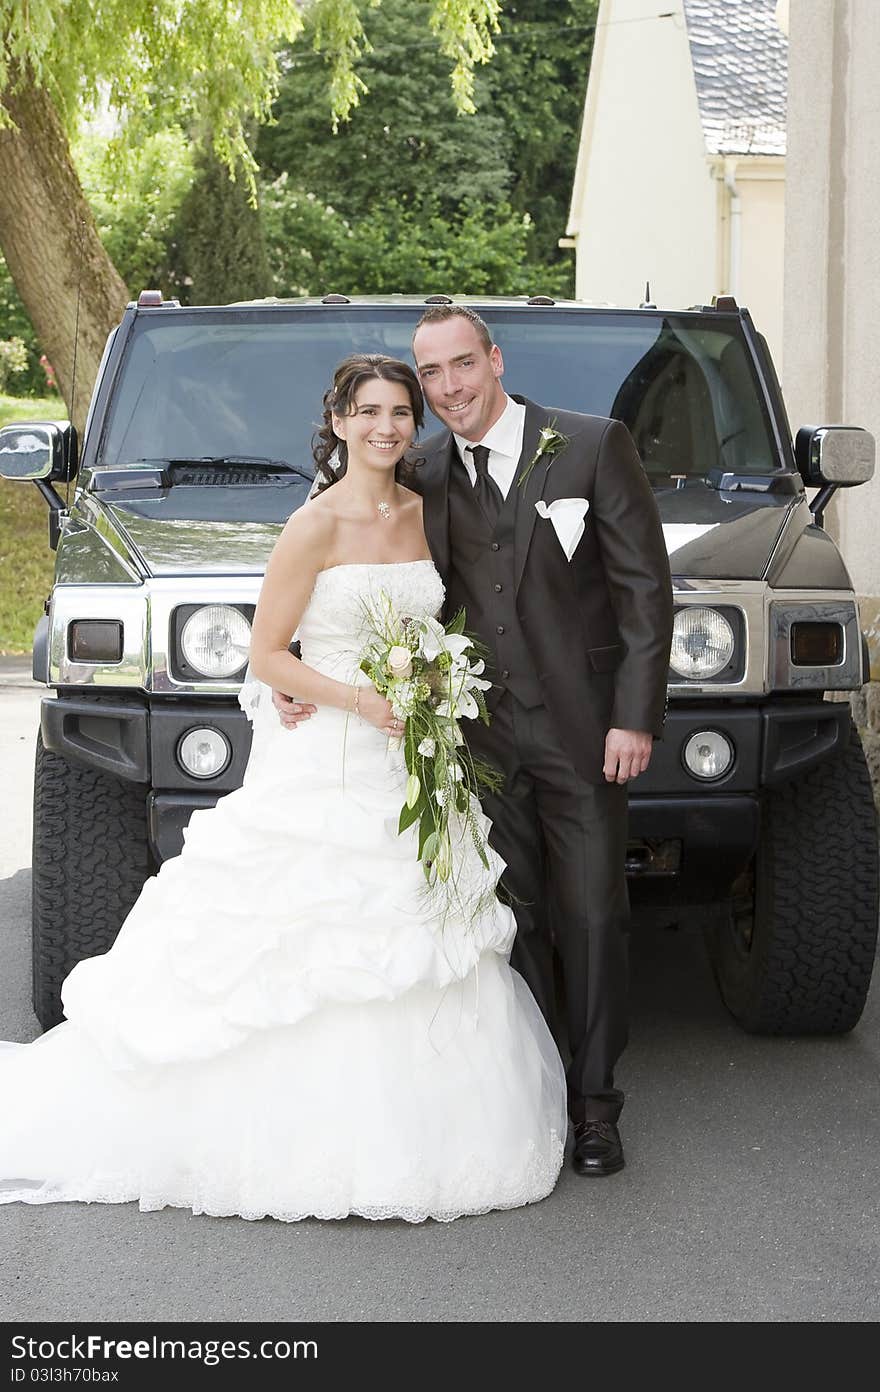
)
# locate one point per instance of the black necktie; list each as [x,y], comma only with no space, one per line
[488,493]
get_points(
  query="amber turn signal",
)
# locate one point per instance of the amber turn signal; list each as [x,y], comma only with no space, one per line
[816,644]
[93,640]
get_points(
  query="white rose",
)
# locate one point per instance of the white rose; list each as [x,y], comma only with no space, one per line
[400,662]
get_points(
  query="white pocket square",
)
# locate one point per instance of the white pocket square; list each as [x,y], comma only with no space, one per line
[567,516]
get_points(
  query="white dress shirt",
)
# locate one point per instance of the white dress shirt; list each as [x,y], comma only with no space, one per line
[504,443]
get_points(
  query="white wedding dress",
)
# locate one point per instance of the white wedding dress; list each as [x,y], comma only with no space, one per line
[289,1023]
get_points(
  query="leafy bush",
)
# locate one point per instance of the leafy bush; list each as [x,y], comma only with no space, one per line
[14,323]
[136,201]
[13,359]
[313,250]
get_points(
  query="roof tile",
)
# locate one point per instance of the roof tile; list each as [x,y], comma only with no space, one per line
[740,59]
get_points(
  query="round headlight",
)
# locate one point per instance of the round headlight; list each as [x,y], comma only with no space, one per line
[702,643]
[708,754]
[215,640]
[204,752]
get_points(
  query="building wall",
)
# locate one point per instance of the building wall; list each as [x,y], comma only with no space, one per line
[644,204]
[832,246]
[832,264]
[761,185]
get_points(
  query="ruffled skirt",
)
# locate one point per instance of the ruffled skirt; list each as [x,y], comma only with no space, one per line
[291,1024]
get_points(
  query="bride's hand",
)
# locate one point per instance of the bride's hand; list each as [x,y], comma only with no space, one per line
[290,711]
[377,711]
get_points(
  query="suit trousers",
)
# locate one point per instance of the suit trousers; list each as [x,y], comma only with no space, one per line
[564,842]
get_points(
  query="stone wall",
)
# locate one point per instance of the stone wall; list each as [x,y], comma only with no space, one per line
[866,714]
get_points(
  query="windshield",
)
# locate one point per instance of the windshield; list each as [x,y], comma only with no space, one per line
[251,382]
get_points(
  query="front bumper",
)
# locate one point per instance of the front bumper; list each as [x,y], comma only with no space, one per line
[138,741]
[773,740]
[684,834]
[689,839]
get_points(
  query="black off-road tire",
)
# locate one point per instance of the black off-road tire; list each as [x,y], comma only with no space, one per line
[91,857]
[795,952]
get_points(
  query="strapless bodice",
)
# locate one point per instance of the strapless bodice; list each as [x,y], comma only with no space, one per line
[335,627]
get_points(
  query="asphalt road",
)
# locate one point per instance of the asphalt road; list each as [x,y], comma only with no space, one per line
[750,1193]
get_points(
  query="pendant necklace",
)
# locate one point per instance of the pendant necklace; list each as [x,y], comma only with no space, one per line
[384,510]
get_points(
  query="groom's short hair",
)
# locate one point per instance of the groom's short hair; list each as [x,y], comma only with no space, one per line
[436,314]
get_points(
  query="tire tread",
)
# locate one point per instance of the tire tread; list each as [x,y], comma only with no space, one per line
[91,857]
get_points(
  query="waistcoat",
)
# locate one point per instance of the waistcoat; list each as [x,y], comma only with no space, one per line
[481,581]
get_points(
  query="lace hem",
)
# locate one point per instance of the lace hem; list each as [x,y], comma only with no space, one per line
[536,1182]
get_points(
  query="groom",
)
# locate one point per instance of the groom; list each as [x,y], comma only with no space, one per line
[574,600]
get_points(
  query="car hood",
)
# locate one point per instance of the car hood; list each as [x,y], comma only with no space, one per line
[205,531]
[723,536]
[709,535]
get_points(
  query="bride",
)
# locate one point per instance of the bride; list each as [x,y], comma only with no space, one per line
[289,1023]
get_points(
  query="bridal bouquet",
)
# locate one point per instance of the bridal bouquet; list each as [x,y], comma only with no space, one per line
[432,677]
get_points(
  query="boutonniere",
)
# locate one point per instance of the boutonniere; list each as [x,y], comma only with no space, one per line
[550,443]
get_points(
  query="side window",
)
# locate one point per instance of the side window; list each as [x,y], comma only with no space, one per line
[666,405]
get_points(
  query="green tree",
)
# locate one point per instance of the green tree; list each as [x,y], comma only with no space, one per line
[407,145]
[536,86]
[220,238]
[397,248]
[206,63]
[136,202]
[406,142]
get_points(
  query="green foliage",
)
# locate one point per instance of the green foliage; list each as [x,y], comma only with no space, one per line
[14,323]
[406,138]
[407,146]
[220,238]
[136,203]
[313,250]
[13,359]
[171,218]
[205,61]
[536,86]
[467,39]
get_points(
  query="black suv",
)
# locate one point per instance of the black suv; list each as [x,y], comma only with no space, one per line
[756,814]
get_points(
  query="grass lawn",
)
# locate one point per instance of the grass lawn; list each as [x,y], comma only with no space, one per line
[26,563]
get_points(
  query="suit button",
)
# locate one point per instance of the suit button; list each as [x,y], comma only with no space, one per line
[498,589]
[500,628]
[505,674]
[495,546]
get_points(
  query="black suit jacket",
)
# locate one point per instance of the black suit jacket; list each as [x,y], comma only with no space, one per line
[600,625]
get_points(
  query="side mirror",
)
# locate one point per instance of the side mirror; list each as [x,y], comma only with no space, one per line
[837,455]
[38,450]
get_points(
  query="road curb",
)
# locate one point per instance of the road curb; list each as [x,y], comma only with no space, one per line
[15,670]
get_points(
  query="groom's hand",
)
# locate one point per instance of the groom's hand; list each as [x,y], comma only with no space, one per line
[291,712]
[627,754]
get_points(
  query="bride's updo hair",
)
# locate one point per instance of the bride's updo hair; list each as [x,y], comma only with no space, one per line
[331,453]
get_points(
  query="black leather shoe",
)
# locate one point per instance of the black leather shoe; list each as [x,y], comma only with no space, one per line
[597,1148]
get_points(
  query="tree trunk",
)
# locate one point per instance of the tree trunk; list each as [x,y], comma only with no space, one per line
[51,244]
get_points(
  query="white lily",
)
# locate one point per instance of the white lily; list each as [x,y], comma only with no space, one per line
[456,645]
[432,639]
